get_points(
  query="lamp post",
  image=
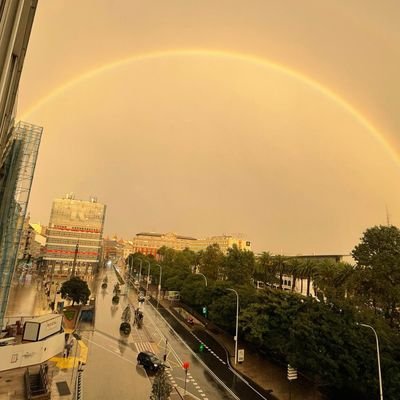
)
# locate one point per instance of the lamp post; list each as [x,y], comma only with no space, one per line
[378,358]
[77,337]
[205,279]
[159,285]
[55,295]
[148,276]
[237,321]
[130,264]
[140,270]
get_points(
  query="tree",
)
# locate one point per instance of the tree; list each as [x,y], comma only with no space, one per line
[161,386]
[264,270]
[193,291]
[378,268]
[307,270]
[211,262]
[240,265]
[279,266]
[76,289]
[332,280]
[293,267]
[176,267]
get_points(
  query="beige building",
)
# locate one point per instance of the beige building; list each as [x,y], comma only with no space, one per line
[74,236]
[112,249]
[149,242]
[32,242]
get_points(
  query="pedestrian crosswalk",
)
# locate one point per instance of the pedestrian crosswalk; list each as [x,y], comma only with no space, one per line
[144,346]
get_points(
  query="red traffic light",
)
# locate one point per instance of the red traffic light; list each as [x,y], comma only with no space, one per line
[186,365]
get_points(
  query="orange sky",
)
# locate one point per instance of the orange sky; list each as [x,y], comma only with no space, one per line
[205,145]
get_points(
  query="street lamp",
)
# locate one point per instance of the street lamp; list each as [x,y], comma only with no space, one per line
[378,357]
[237,321]
[148,276]
[205,279]
[55,295]
[78,337]
[140,270]
[159,284]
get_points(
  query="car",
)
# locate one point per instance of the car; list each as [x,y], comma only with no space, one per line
[149,361]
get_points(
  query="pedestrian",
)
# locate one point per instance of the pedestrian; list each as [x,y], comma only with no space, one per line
[65,351]
[69,347]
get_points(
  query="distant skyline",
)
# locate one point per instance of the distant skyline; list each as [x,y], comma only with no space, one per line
[275,119]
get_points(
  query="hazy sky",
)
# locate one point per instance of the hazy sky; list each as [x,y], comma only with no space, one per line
[275,119]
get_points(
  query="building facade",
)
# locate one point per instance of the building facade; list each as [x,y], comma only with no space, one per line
[113,249]
[300,284]
[149,242]
[74,236]
[32,243]
[18,145]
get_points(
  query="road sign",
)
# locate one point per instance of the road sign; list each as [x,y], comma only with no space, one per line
[204,310]
[240,355]
[291,373]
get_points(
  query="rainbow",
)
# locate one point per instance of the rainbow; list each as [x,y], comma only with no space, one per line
[248,58]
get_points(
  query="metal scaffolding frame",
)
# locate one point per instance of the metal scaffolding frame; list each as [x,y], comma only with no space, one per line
[17,170]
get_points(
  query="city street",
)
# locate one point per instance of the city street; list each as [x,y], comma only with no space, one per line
[111,370]
[111,354]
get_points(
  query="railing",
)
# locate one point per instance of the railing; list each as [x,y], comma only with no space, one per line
[78,393]
[36,385]
[13,320]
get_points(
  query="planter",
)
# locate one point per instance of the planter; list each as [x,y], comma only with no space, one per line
[115,299]
[104,285]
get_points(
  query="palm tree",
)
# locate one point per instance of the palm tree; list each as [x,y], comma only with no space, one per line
[307,270]
[263,266]
[344,277]
[279,265]
[294,268]
[333,279]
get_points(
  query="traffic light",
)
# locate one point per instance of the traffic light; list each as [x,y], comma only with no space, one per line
[291,373]
[201,347]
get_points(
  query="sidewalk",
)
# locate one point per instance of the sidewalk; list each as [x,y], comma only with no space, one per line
[267,374]
[62,373]
[30,299]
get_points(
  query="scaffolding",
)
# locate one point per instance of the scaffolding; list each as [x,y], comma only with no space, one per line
[17,169]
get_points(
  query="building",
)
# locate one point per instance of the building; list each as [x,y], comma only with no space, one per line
[15,186]
[300,284]
[113,249]
[74,236]
[18,145]
[128,249]
[226,242]
[149,242]
[32,243]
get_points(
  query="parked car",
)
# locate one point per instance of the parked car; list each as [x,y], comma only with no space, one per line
[149,361]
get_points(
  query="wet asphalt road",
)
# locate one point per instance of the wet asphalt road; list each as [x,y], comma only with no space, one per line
[216,358]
